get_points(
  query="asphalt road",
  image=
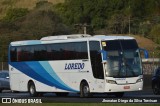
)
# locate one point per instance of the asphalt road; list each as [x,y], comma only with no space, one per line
[51,97]
[73,97]
[145,93]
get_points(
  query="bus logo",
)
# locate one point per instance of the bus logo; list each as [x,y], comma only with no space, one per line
[74,66]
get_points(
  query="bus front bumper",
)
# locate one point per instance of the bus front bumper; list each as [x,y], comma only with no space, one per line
[123,87]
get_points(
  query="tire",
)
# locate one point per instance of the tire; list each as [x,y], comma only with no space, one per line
[84,90]
[119,94]
[156,90]
[32,89]
[61,94]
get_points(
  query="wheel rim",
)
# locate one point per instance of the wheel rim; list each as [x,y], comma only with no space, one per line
[32,89]
[85,90]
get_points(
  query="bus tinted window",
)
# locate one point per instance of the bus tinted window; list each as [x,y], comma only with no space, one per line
[120,44]
[57,51]
[129,44]
[67,51]
[96,59]
[112,45]
[39,53]
[26,53]
[13,53]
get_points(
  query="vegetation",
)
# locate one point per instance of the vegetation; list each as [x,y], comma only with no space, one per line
[23,19]
[112,15]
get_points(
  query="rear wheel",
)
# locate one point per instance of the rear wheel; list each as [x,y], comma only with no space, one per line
[156,90]
[32,89]
[84,90]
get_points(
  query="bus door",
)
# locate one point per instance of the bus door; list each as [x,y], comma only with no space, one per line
[97,66]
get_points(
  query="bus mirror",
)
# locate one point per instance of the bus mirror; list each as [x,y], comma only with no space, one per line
[104,55]
[146,54]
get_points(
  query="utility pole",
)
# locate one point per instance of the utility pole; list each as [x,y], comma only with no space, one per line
[129,19]
[85,29]
[129,25]
[2,65]
[84,26]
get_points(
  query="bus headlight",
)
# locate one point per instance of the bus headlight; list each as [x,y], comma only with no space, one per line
[139,80]
[111,81]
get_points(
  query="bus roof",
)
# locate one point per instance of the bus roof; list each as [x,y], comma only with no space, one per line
[68,38]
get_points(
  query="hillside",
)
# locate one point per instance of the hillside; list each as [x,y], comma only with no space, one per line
[30,4]
[33,19]
[148,45]
[143,42]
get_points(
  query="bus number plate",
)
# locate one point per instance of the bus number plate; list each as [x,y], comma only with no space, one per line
[126,87]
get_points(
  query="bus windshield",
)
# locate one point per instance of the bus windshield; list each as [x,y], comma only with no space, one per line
[123,58]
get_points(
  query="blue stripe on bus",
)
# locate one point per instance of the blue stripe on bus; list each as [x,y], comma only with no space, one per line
[50,70]
[38,72]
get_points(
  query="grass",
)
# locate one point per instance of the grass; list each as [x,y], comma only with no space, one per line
[148,45]
[30,4]
[145,43]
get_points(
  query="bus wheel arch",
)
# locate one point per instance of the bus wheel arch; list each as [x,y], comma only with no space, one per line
[84,89]
[32,88]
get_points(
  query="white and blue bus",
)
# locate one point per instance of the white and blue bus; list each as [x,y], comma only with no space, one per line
[76,63]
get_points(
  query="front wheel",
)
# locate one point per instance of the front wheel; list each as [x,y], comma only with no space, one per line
[84,90]
[32,89]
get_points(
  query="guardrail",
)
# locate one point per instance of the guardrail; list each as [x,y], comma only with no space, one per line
[149,65]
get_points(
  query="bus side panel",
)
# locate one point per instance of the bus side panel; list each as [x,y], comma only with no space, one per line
[73,76]
[54,76]
[19,82]
[71,72]
[14,79]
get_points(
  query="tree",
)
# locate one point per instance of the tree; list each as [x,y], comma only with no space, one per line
[155,33]
[14,14]
[42,23]
[118,24]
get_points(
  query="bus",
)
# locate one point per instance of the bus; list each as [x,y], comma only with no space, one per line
[77,63]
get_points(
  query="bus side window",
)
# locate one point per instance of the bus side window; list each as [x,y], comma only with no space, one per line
[96,59]
[13,53]
[40,53]
[49,52]
[19,54]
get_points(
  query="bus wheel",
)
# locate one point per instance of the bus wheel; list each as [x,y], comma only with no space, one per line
[84,90]
[119,94]
[32,89]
